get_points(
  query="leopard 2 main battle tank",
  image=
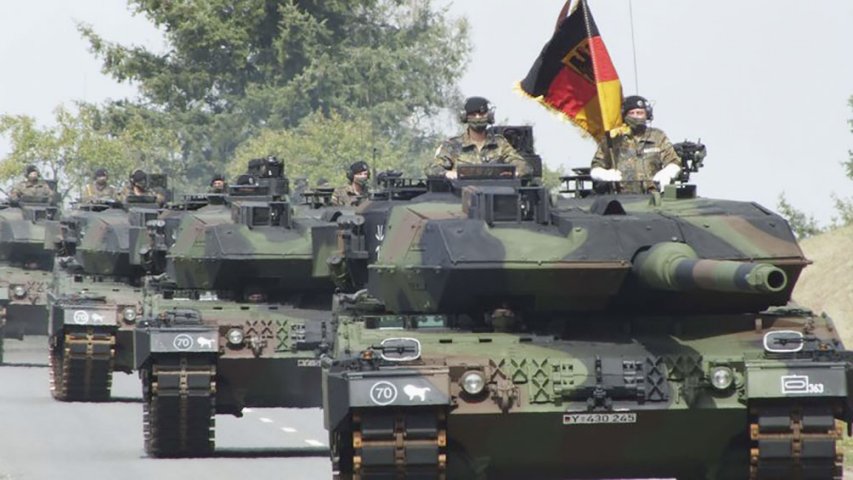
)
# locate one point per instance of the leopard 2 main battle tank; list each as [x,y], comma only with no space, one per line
[237,313]
[25,266]
[96,295]
[490,330]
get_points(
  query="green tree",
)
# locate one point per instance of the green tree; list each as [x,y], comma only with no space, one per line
[233,69]
[71,149]
[803,225]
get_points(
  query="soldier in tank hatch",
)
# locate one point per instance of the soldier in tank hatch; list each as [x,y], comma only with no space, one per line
[477,144]
[217,184]
[31,186]
[639,157]
[138,186]
[358,174]
[99,188]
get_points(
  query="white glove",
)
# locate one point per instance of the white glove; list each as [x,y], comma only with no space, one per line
[605,175]
[667,174]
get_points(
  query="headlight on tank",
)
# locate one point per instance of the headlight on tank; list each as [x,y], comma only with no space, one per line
[19,291]
[473,382]
[235,336]
[129,314]
[722,377]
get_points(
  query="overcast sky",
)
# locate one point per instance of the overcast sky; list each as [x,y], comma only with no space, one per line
[764,83]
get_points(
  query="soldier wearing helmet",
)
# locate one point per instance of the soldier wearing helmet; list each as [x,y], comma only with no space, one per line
[138,186]
[640,157]
[477,144]
[358,174]
[99,188]
[31,186]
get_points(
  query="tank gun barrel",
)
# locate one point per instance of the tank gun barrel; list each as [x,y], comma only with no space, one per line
[676,267]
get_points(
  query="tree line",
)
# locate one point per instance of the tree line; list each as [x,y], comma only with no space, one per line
[318,83]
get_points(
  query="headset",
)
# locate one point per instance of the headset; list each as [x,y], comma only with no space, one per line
[462,115]
[646,105]
[143,178]
[360,166]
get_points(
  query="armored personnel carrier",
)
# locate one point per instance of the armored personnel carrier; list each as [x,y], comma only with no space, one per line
[25,266]
[489,330]
[237,312]
[96,295]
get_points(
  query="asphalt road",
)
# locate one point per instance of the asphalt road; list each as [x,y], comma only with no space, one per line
[42,439]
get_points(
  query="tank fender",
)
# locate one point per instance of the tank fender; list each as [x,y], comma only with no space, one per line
[385,389]
[64,315]
[796,379]
[148,342]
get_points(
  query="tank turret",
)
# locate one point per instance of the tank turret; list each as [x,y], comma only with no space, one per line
[489,243]
[22,234]
[248,240]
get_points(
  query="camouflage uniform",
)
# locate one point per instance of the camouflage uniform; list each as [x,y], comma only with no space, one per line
[347,196]
[462,150]
[93,191]
[638,157]
[27,189]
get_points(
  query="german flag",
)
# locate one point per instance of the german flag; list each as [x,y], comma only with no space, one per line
[575,77]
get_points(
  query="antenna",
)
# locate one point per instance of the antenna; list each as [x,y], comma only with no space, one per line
[634,47]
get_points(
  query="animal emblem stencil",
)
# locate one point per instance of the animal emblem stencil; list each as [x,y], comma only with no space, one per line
[204,342]
[416,392]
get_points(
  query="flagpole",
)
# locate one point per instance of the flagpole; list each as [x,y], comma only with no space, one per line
[607,140]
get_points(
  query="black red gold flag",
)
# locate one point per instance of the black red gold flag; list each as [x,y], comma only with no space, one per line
[575,76]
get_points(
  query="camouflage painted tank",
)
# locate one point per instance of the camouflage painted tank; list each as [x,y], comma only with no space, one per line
[238,314]
[492,331]
[95,297]
[25,266]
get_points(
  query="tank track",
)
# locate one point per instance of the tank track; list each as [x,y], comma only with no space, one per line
[81,368]
[179,407]
[795,443]
[399,444]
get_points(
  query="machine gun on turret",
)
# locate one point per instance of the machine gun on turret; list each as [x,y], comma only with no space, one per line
[692,155]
